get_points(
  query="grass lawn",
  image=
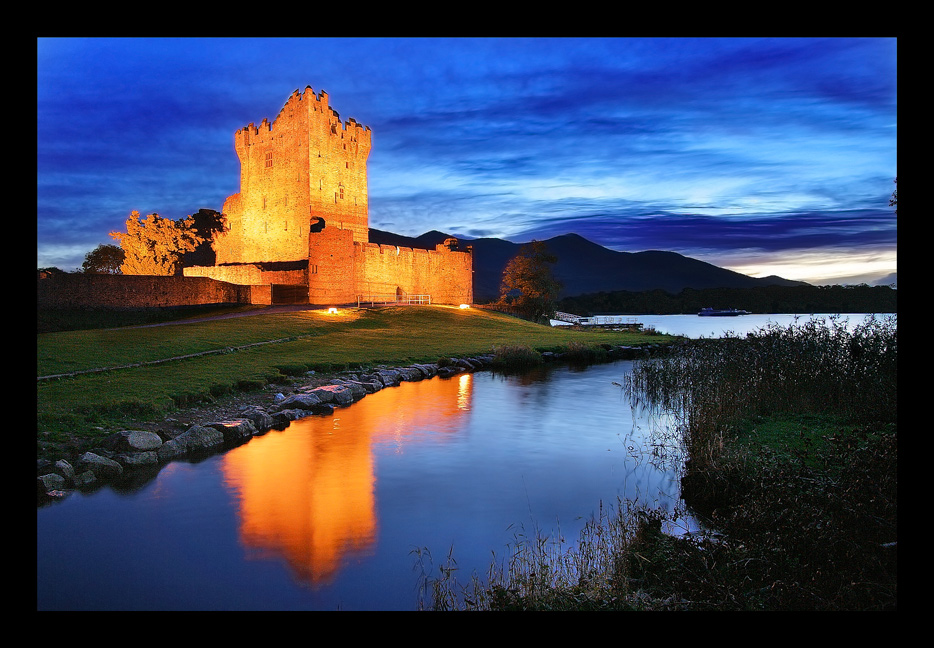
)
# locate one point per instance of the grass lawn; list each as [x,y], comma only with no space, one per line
[285,344]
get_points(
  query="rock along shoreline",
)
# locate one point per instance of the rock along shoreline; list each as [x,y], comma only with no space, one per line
[131,457]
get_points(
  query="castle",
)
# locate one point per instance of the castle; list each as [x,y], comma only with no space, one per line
[298,230]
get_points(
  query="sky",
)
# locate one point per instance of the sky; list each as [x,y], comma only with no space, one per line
[767,156]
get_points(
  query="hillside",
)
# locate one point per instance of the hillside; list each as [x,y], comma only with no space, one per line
[585,267]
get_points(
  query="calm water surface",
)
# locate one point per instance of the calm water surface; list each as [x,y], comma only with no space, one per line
[325,514]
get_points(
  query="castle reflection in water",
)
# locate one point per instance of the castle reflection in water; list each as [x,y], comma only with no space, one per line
[307,494]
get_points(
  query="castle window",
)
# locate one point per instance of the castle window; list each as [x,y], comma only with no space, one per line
[264,202]
[342,193]
[268,159]
[286,226]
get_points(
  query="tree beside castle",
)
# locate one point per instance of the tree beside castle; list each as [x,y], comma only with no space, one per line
[155,245]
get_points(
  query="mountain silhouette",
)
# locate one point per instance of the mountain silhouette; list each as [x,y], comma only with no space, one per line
[585,267]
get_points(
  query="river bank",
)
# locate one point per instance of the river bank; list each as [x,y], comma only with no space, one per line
[193,432]
[792,455]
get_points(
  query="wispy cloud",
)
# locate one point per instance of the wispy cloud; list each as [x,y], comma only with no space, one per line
[693,145]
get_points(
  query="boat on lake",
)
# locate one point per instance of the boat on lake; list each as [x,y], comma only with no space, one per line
[718,312]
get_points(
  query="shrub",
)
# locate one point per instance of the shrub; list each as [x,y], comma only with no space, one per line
[580,353]
[515,357]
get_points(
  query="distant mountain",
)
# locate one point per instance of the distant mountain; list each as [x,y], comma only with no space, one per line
[586,267]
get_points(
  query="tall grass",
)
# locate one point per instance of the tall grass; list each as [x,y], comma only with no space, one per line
[547,572]
[814,367]
[815,530]
[515,357]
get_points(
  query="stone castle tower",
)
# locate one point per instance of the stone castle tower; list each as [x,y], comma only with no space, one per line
[299,225]
[306,166]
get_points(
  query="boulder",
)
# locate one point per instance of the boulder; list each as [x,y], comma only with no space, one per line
[428,370]
[261,419]
[132,441]
[136,459]
[195,438]
[325,408]
[370,387]
[65,469]
[304,400]
[357,390]
[448,371]
[50,482]
[85,478]
[234,430]
[286,415]
[335,394]
[411,374]
[389,377]
[102,467]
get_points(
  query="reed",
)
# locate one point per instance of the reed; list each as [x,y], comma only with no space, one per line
[808,507]
[814,367]
[515,357]
[547,572]
[577,352]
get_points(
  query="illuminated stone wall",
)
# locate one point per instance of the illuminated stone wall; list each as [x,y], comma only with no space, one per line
[250,274]
[304,165]
[445,274]
[79,290]
[331,267]
[303,196]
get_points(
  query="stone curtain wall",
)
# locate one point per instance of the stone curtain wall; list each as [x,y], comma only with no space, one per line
[331,267]
[303,196]
[134,291]
[386,269]
[251,274]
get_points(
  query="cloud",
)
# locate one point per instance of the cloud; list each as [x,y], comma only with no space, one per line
[637,142]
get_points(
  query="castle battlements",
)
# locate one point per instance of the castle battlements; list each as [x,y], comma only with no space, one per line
[303,198]
[319,105]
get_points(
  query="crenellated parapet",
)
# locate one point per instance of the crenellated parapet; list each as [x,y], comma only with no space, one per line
[310,104]
[304,197]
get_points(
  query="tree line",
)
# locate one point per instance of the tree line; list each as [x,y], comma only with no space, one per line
[761,299]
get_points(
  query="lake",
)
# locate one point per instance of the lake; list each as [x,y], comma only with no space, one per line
[328,513]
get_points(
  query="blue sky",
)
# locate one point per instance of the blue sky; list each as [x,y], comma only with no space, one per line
[765,156]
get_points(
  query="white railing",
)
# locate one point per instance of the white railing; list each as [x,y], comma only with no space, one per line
[599,320]
[385,300]
[567,317]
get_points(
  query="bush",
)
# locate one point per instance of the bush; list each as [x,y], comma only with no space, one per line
[580,353]
[515,357]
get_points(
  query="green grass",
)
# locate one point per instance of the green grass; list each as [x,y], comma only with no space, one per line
[790,435]
[288,344]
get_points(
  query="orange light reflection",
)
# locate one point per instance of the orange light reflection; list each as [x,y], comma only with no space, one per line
[307,494]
